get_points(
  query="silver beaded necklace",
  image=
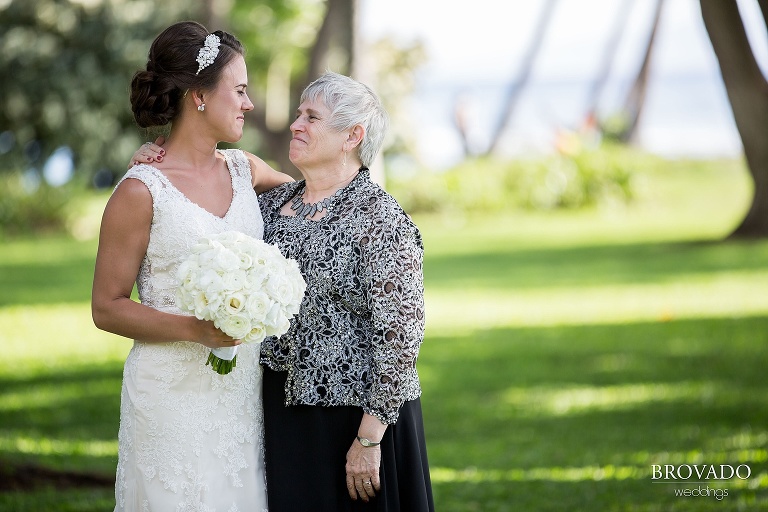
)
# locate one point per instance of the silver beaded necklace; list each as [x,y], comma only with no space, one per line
[308,210]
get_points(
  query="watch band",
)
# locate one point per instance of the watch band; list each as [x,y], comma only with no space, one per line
[367,442]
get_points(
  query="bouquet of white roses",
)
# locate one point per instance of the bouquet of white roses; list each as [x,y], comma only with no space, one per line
[245,286]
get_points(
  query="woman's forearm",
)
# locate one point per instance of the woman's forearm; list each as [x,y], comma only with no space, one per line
[125,317]
[371,428]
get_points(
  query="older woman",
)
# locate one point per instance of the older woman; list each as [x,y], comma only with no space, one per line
[343,424]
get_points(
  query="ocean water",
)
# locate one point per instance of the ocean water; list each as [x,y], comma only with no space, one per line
[684,116]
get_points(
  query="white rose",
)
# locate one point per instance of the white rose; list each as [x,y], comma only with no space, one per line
[201,307]
[211,281]
[280,289]
[225,259]
[184,299]
[235,280]
[200,248]
[293,308]
[280,326]
[234,303]
[246,260]
[256,276]
[273,315]
[207,304]
[187,271]
[227,238]
[258,305]
[257,334]
[273,266]
[238,326]
[299,285]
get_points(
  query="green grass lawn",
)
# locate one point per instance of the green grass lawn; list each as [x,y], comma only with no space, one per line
[566,353]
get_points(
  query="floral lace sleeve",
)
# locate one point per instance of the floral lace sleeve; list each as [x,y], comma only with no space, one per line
[396,299]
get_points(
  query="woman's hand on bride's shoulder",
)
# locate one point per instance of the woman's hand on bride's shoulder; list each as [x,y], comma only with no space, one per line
[149,152]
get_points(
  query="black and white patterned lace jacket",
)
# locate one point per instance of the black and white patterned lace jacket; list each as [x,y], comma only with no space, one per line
[356,338]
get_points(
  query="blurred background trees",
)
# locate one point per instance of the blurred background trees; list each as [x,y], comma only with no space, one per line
[65,68]
[66,125]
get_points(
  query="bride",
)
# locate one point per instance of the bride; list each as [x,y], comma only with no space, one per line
[189,438]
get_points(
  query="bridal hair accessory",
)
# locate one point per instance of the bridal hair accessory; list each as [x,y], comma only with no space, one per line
[208,52]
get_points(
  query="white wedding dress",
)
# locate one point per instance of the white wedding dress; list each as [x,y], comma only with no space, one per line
[189,439]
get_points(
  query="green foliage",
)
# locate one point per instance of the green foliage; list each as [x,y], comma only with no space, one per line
[65,68]
[277,35]
[66,65]
[31,207]
[587,178]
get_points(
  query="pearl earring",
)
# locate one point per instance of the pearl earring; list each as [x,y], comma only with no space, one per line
[201,107]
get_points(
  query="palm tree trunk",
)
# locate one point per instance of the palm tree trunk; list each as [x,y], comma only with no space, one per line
[517,86]
[747,92]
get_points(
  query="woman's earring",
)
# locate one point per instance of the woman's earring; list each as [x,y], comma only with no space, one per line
[344,160]
[201,107]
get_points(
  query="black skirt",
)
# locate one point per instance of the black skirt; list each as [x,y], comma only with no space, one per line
[306,448]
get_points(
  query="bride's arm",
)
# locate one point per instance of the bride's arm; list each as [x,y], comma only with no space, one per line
[123,242]
[263,176]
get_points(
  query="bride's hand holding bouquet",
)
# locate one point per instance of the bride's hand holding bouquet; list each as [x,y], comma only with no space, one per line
[245,286]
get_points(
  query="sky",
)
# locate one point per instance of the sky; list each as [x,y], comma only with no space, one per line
[477,47]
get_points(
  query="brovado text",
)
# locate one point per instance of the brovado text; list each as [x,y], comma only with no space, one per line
[699,472]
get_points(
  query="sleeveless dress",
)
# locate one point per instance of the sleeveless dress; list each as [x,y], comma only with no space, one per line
[189,438]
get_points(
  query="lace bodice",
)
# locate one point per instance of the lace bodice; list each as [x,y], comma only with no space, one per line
[178,223]
[190,439]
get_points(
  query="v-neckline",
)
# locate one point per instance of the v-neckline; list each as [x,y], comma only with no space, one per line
[187,199]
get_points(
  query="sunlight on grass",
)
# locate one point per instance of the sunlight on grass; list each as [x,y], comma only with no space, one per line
[50,395]
[564,400]
[46,446]
[53,336]
[727,294]
[555,474]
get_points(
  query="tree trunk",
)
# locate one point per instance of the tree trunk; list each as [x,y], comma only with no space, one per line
[210,15]
[748,95]
[609,54]
[518,85]
[633,105]
[335,33]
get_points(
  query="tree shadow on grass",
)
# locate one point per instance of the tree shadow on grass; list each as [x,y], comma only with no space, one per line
[593,265]
[62,420]
[627,495]
[36,283]
[590,396]
[24,477]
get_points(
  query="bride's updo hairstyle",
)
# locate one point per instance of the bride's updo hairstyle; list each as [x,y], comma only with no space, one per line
[172,69]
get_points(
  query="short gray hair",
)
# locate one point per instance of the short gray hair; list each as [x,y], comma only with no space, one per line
[351,103]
